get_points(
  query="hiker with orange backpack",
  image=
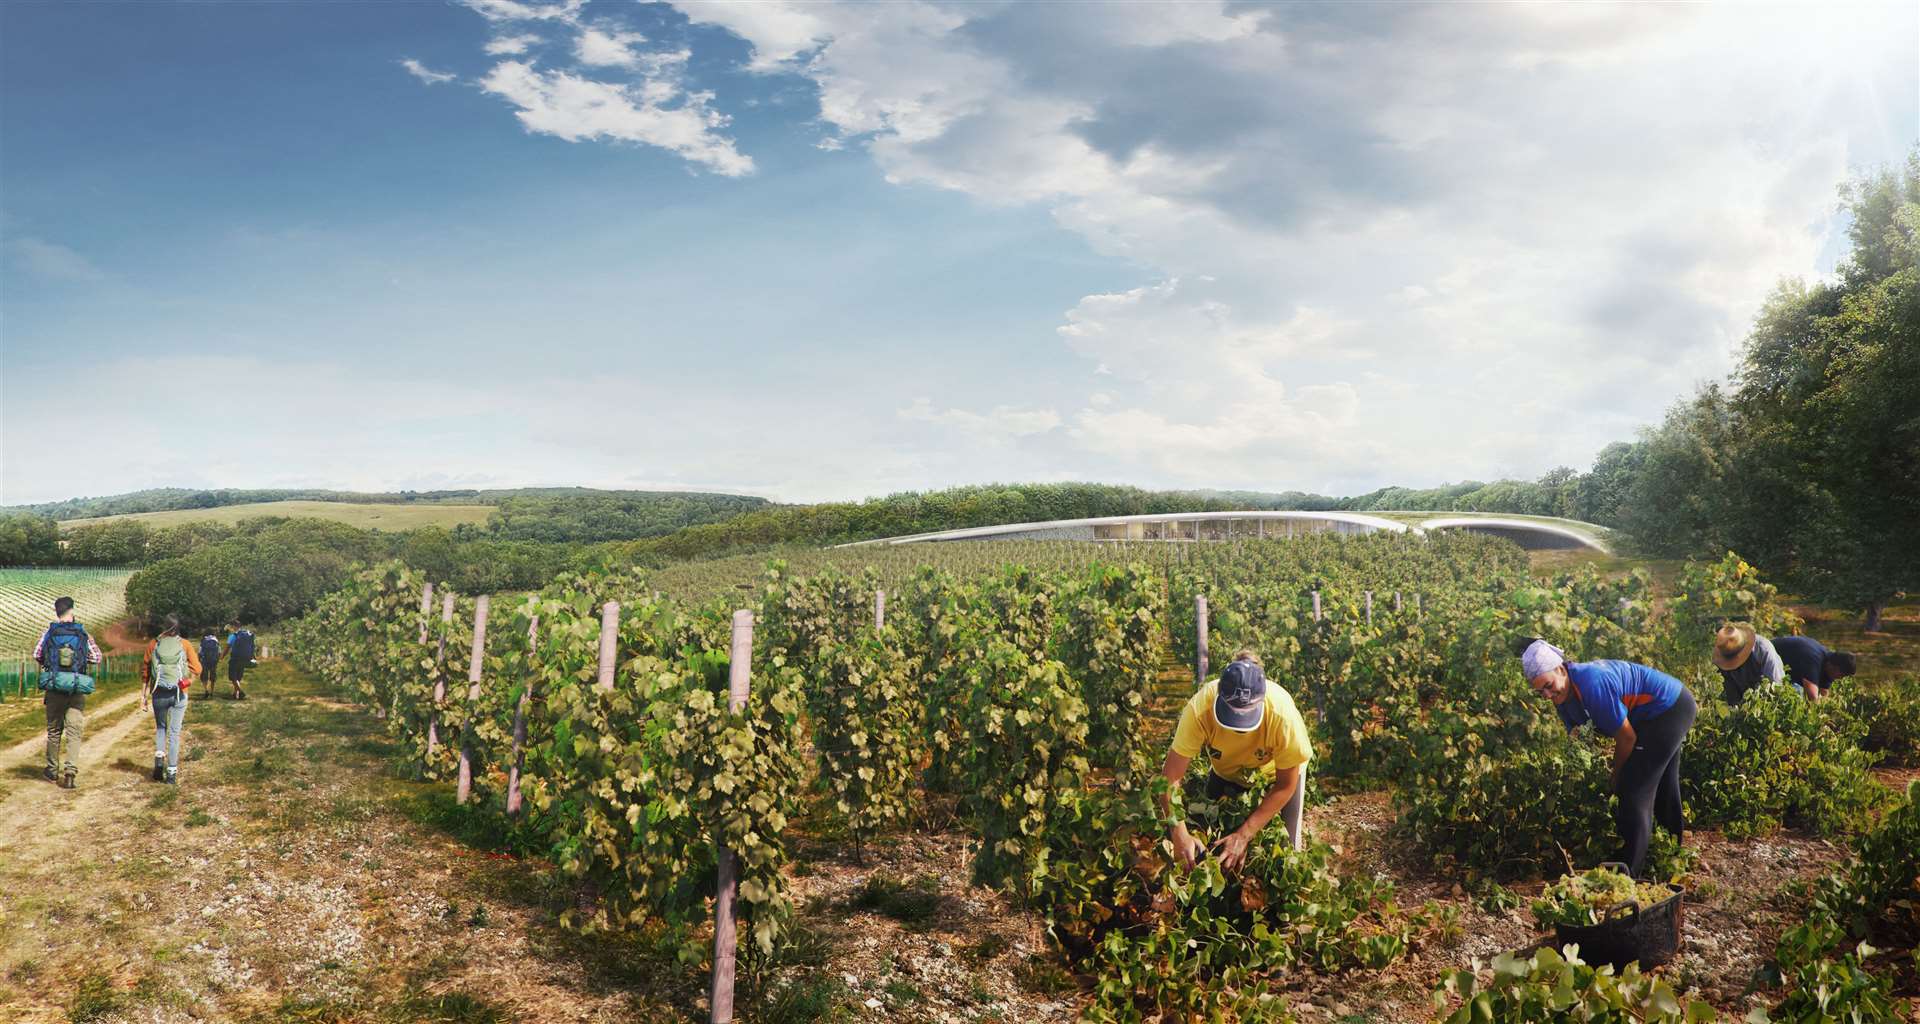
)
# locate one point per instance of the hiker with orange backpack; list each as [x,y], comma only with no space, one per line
[166,673]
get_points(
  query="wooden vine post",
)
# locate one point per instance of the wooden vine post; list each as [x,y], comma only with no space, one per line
[726,937]
[439,680]
[880,609]
[1396,602]
[520,726]
[609,634]
[426,611]
[1369,609]
[1320,690]
[1199,640]
[464,787]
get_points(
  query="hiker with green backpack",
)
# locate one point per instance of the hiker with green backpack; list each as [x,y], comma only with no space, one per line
[64,654]
[166,674]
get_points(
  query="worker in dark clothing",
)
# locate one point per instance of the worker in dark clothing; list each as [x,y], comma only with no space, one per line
[1810,666]
[1746,660]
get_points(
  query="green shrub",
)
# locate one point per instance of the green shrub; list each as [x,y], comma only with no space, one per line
[1774,759]
[1729,590]
[1887,712]
[1557,986]
[1517,814]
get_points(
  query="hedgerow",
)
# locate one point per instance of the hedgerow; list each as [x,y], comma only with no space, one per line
[1777,758]
[1887,713]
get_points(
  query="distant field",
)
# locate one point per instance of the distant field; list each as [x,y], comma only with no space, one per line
[365,516]
[26,601]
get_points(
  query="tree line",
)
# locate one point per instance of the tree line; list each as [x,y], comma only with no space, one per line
[545,515]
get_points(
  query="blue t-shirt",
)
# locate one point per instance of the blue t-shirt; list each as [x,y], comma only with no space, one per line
[1609,692]
[1804,657]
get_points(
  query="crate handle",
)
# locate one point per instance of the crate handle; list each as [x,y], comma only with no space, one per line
[1614,911]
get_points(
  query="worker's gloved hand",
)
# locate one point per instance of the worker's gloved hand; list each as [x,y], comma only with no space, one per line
[1186,849]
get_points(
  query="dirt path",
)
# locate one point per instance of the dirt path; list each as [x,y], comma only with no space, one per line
[293,876]
[22,789]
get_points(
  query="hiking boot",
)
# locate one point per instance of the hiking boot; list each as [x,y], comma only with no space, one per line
[173,776]
[159,767]
[67,781]
[50,775]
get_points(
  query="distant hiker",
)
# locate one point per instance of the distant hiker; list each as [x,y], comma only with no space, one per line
[1812,667]
[1646,711]
[1745,660]
[239,657]
[166,674]
[1253,736]
[64,654]
[209,661]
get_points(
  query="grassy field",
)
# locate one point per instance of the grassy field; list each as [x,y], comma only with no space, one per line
[26,601]
[366,516]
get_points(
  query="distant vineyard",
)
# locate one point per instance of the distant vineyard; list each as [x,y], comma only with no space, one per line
[27,595]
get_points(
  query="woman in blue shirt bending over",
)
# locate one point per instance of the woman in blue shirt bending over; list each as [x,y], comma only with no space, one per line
[1646,711]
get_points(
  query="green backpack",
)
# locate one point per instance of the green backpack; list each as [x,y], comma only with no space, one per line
[169,663]
[64,657]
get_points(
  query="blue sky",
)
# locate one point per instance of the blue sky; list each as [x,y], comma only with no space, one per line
[827,251]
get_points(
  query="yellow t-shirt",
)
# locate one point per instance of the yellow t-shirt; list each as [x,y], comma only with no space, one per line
[1280,742]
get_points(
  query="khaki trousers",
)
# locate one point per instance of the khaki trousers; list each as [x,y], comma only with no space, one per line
[66,718]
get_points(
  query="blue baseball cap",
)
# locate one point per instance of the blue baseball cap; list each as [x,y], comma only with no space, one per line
[1242,702]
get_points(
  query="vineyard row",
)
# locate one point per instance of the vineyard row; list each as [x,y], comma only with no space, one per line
[602,719]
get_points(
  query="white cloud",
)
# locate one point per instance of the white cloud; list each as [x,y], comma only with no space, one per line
[1002,425]
[778,32]
[52,261]
[607,48]
[1376,226]
[426,74]
[566,12]
[655,112]
[511,46]
[651,105]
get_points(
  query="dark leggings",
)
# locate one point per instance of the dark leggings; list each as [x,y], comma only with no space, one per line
[1650,781]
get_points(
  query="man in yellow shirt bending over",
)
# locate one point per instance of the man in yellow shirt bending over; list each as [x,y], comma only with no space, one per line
[1246,725]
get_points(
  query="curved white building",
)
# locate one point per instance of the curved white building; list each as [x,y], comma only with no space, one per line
[1170,526]
[1528,532]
